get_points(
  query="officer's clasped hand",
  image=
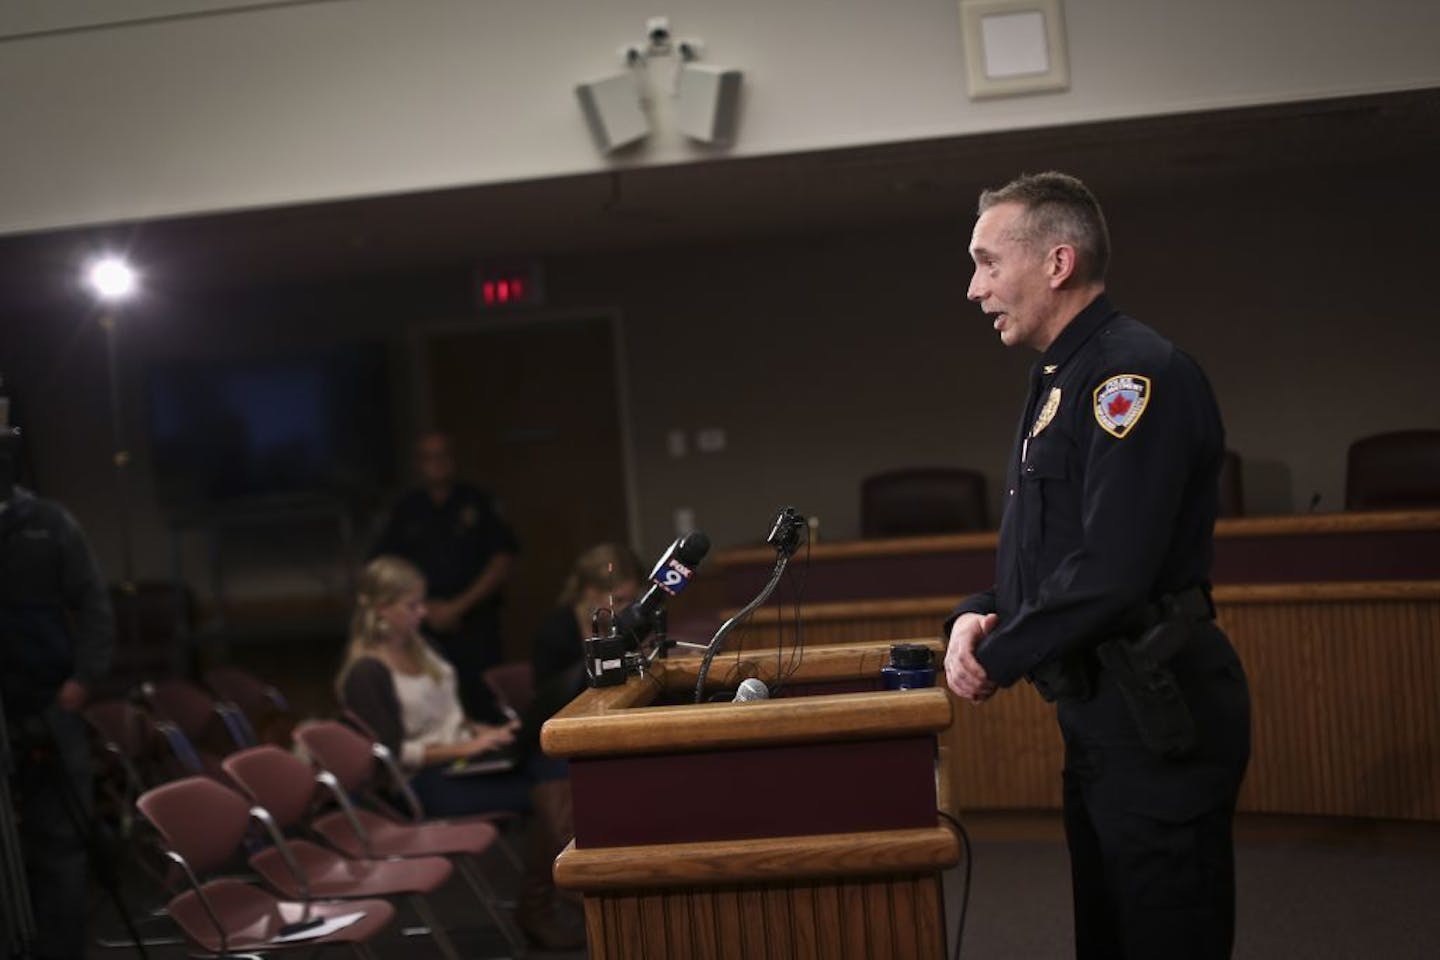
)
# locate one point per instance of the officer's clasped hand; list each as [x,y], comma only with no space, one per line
[963,673]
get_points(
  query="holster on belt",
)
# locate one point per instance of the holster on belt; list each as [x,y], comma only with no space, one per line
[1140,665]
[1065,678]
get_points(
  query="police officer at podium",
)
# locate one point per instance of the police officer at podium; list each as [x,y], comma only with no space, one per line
[1101,596]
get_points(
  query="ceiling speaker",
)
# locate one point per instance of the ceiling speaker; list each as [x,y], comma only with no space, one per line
[612,110]
[708,102]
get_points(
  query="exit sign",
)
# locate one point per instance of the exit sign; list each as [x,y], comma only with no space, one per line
[498,286]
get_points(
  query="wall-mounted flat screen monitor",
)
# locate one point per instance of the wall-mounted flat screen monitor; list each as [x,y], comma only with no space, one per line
[306,425]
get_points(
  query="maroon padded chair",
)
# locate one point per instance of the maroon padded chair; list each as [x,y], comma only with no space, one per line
[283,789]
[132,761]
[263,704]
[203,823]
[197,730]
[1394,471]
[347,760]
[921,501]
[513,685]
[128,737]
[415,813]
[216,725]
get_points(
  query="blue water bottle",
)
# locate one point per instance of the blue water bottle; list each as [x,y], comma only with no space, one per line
[911,667]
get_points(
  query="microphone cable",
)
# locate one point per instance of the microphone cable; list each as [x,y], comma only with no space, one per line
[797,650]
[965,892]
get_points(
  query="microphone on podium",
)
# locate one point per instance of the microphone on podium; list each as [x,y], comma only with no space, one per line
[751,689]
[609,657]
[669,579]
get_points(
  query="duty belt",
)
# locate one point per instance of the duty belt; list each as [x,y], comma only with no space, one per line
[1191,604]
[1072,677]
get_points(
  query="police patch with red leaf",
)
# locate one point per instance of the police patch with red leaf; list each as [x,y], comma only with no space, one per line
[1120,402]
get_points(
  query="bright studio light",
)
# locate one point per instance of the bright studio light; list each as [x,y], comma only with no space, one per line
[111,278]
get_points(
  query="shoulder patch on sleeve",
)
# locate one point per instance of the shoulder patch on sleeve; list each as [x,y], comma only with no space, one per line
[1120,402]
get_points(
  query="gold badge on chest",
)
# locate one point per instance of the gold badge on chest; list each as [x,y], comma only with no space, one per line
[1047,412]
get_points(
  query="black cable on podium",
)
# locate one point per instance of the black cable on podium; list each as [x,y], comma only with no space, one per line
[785,537]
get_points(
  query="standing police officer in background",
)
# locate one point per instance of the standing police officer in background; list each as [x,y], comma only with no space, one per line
[1102,595]
[451,531]
[56,636]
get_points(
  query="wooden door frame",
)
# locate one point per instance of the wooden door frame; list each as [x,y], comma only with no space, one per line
[421,336]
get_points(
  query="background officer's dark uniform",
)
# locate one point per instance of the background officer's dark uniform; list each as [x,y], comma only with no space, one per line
[1096,529]
[55,623]
[452,543]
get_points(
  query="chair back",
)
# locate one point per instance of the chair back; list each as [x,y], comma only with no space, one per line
[1231,501]
[245,690]
[208,723]
[266,710]
[1394,471]
[200,819]
[340,750]
[357,723]
[275,779]
[924,500]
[513,684]
[183,704]
[123,728]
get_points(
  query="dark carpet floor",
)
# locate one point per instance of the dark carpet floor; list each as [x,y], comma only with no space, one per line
[1321,889]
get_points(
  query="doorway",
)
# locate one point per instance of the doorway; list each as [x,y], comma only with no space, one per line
[535,411]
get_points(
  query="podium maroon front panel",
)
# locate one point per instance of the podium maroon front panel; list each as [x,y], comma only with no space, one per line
[755,792]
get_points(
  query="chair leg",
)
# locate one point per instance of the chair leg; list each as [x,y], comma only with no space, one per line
[483,892]
[441,936]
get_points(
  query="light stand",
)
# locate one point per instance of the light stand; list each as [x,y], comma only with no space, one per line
[113,282]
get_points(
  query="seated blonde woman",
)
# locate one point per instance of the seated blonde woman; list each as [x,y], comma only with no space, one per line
[407,694]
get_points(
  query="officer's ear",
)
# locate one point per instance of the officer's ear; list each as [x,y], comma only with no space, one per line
[1060,265]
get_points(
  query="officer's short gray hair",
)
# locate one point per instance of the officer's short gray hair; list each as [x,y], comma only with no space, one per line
[1058,209]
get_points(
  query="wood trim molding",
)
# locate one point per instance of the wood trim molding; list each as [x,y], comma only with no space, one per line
[766,859]
[608,720]
[848,549]
[836,661]
[585,728]
[1381,521]
[871,609]
[1321,592]
[1387,521]
[1336,592]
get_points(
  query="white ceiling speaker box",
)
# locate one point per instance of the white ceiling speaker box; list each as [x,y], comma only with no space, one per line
[612,109]
[708,102]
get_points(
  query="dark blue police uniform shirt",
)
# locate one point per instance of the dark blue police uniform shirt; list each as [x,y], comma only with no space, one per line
[1110,492]
[451,542]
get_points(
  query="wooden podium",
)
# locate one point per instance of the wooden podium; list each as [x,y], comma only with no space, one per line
[801,826]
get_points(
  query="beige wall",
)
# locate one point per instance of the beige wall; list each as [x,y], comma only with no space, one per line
[286,103]
[826,358]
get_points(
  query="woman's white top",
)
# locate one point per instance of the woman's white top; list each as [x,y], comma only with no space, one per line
[430,712]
